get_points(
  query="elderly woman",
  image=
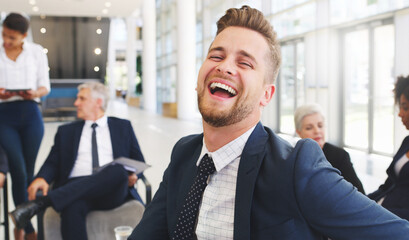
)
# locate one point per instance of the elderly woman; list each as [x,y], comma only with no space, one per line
[394,193]
[309,123]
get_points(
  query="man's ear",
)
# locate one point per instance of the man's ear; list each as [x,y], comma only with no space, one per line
[99,102]
[269,90]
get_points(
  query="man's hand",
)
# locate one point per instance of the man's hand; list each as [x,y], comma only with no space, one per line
[132,179]
[2,179]
[37,184]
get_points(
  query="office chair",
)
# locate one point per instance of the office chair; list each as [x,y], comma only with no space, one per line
[100,224]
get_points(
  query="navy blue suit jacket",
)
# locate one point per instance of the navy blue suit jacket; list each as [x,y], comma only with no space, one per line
[63,154]
[282,193]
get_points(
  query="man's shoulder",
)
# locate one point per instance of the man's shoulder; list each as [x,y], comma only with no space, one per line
[189,140]
[278,145]
[116,120]
[71,125]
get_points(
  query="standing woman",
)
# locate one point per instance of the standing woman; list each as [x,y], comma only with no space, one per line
[23,65]
[394,193]
[309,123]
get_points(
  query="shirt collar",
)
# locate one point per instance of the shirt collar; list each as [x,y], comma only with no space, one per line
[226,154]
[102,122]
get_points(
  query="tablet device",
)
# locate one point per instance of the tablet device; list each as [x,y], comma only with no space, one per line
[17,90]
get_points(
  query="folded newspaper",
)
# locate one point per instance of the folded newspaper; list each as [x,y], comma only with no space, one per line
[129,164]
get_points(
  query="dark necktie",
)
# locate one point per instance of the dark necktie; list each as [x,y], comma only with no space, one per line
[95,161]
[187,217]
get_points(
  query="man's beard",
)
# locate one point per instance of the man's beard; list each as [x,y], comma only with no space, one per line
[239,111]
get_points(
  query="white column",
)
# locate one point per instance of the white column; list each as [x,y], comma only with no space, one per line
[186,58]
[111,61]
[131,54]
[149,56]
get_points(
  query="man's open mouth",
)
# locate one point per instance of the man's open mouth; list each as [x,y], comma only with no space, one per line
[222,90]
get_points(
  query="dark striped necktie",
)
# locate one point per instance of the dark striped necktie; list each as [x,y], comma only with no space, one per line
[185,226]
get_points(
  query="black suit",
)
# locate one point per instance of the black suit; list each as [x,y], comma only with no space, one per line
[396,187]
[339,159]
[107,189]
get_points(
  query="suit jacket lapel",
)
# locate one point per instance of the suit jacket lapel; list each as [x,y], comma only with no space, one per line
[250,162]
[114,137]
[77,137]
[189,177]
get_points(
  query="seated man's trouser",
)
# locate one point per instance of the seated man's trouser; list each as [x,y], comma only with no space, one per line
[104,190]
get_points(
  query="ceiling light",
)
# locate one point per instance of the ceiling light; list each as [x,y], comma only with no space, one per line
[99,31]
[99,18]
[96,69]
[97,51]
[43,30]
[107,4]
[32,2]
[42,16]
[104,11]
[36,9]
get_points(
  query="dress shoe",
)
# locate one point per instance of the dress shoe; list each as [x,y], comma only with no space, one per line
[25,211]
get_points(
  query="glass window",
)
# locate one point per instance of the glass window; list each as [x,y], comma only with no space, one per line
[356,80]
[348,10]
[280,5]
[369,81]
[252,3]
[384,47]
[287,89]
[299,20]
[291,86]
[300,73]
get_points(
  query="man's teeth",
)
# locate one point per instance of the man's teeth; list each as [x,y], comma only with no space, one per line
[224,87]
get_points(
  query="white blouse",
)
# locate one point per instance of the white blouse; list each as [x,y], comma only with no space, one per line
[30,70]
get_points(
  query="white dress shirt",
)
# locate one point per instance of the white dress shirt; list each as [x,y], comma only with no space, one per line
[83,163]
[216,214]
[400,163]
[30,70]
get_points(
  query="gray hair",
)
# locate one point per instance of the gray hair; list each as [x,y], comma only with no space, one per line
[305,110]
[98,90]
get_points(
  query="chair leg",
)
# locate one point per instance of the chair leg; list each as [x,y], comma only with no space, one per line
[6,211]
[40,226]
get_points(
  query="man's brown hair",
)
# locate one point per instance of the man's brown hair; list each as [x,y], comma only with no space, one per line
[253,19]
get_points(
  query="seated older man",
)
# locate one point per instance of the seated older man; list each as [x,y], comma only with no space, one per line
[79,148]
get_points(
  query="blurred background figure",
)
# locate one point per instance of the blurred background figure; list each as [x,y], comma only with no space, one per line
[310,123]
[394,193]
[23,80]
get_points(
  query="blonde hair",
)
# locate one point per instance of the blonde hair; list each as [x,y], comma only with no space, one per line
[253,19]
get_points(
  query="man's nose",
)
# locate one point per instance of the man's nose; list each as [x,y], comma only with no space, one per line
[227,67]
